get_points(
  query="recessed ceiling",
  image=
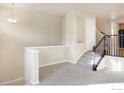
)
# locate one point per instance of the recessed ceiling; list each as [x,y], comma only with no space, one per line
[114,11]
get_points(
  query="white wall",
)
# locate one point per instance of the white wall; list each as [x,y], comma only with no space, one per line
[63,30]
[74,26]
[75,51]
[34,28]
[70,28]
[52,54]
[90,32]
[81,32]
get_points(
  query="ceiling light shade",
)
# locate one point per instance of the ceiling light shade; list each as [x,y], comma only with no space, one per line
[12,20]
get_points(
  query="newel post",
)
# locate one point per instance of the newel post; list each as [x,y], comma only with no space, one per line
[31,66]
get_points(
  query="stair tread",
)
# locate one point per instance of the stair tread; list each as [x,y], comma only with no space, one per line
[87,59]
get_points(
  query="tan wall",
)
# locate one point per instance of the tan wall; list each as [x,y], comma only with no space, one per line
[34,28]
[104,26]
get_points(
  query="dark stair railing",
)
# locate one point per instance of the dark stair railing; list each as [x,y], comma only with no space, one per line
[100,49]
[112,45]
[115,45]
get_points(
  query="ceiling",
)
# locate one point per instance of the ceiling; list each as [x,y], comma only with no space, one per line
[114,11]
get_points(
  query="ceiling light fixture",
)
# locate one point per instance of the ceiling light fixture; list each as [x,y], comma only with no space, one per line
[12,20]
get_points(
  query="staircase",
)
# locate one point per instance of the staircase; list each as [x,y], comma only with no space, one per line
[89,59]
[111,45]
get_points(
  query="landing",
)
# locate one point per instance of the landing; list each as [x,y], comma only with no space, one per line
[111,63]
[71,74]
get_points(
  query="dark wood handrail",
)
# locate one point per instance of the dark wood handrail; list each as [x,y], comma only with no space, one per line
[115,35]
[106,46]
[100,41]
[104,38]
[102,33]
[94,50]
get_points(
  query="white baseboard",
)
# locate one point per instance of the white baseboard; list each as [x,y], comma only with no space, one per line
[63,61]
[75,60]
[35,83]
[72,61]
[79,56]
[11,81]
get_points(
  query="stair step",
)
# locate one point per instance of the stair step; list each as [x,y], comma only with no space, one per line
[88,58]
[86,65]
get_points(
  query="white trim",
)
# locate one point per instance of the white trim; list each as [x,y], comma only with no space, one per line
[63,61]
[46,46]
[79,56]
[76,59]
[11,81]
[35,82]
[35,47]
[73,62]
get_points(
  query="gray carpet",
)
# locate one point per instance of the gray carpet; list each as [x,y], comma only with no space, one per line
[71,74]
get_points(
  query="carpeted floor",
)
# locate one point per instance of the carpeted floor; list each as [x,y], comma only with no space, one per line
[71,74]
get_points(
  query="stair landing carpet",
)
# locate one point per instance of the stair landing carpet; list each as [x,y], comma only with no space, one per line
[75,74]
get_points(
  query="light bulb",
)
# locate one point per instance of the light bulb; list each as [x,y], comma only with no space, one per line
[12,20]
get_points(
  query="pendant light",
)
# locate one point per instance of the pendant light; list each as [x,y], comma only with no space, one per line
[12,20]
